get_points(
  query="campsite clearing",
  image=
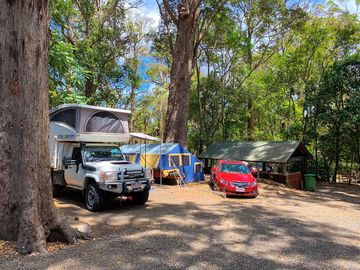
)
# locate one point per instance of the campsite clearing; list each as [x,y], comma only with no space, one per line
[193,228]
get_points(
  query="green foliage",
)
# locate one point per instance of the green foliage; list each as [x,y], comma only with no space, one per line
[150,113]
[285,79]
[88,39]
[64,71]
[280,71]
[339,112]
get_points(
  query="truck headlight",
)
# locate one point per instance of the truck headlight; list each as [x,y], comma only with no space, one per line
[149,174]
[108,176]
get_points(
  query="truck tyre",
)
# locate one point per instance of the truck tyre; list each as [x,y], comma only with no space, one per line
[94,198]
[140,197]
[56,190]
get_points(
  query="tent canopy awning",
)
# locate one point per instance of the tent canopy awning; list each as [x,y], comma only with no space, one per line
[157,149]
[262,151]
[142,136]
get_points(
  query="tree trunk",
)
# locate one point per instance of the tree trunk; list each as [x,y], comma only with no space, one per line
[250,120]
[337,153]
[132,108]
[90,89]
[201,114]
[181,71]
[249,61]
[27,211]
[134,86]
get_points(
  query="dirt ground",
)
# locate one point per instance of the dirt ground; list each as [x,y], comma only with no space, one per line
[193,228]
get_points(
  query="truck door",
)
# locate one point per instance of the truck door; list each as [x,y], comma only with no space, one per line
[74,174]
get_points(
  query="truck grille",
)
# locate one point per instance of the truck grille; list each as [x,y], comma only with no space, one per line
[240,184]
[133,174]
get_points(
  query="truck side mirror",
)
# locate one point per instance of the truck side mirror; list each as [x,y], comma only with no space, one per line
[68,161]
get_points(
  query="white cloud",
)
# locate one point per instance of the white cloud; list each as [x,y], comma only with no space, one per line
[155,17]
[150,10]
[349,5]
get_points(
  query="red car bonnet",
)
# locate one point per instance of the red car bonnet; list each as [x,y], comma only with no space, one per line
[236,177]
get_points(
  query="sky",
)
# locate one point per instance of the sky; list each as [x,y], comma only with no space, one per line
[149,7]
[348,5]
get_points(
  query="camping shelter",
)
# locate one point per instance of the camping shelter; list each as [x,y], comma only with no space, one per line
[283,162]
[167,156]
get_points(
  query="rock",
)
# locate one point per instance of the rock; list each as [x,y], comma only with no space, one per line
[80,226]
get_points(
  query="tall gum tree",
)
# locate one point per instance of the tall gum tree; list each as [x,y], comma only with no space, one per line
[190,26]
[27,211]
[185,21]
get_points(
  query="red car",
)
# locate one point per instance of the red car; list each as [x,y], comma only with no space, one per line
[233,178]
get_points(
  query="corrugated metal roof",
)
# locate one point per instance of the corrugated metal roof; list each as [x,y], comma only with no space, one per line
[263,151]
[150,148]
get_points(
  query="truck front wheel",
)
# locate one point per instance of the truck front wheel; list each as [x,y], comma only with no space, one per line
[94,198]
[56,189]
[140,197]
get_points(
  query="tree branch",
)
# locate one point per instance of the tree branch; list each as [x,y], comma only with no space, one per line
[205,26]
[168,32]
[67,36]
[169,11]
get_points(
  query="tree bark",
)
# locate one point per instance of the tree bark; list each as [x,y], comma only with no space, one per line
[134,87]
[132,109]
[337,152]
[201,114]
[250,119]
[181,71]
[27,211]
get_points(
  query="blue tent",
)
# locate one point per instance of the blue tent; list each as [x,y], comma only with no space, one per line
[166,156]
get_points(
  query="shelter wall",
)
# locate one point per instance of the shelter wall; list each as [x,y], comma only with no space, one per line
[294,180]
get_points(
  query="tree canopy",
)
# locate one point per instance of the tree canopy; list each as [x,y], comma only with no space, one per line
[260,70]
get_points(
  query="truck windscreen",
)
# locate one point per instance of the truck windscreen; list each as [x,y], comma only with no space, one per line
[102,153]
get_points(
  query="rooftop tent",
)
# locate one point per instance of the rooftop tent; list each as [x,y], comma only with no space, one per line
[166,156]
[104,122]
[84,121]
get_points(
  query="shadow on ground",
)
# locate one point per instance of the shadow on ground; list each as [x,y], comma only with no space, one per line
[325,193]
[225,235]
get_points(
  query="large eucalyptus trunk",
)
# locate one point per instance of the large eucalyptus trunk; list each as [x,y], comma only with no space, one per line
[181,72]
[27,211]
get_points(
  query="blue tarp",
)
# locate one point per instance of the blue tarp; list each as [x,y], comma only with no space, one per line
[168,156]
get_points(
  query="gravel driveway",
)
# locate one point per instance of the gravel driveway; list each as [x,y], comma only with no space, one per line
[193,228]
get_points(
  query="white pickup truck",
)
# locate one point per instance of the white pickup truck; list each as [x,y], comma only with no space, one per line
[85,155]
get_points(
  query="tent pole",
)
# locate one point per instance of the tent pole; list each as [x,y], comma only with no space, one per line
[145,153]
[160,171]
